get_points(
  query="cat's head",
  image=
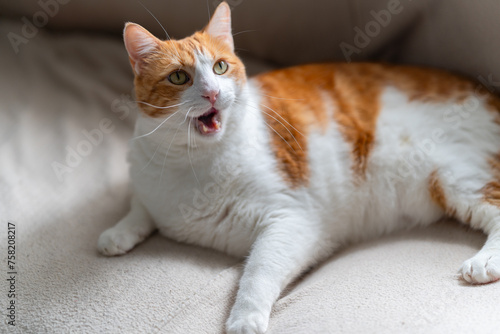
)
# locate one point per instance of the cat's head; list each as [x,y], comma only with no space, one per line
[198,77]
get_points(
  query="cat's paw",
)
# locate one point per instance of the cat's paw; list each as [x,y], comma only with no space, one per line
[116,241]
[250,323]
[482,268]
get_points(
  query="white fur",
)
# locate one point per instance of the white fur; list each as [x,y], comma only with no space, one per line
[227,192]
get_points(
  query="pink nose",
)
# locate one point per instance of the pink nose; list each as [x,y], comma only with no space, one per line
[211,96]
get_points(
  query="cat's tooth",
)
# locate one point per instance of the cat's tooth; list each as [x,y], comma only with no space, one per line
[217,125]
[204,128]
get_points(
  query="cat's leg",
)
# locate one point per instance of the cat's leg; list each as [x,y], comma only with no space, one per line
[484,267]
[130,230]
[280,253]
[478,205]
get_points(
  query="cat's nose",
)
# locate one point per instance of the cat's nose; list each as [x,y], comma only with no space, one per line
[211,96]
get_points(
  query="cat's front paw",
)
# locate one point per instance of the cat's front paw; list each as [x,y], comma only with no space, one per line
[247,323]
[482,268]
[116,241]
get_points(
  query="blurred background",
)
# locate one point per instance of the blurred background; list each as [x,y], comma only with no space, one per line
[458,35]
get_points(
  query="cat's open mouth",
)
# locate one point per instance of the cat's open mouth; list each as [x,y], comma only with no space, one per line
[209,122]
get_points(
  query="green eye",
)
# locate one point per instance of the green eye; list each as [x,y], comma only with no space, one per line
[220,67]
[178,77]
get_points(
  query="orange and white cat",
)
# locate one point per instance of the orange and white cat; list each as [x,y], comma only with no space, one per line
[287,167]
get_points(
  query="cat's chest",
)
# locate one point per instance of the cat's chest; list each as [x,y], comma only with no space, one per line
[210,205]
[173,194]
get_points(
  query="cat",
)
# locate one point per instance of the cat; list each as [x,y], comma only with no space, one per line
[286,167]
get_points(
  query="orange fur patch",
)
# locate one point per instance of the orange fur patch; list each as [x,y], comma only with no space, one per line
[429,84]
[355,88]
[358,88]
[491,191]
[357,91]
[495,165]
[437,193]
[493,103]
[291,105]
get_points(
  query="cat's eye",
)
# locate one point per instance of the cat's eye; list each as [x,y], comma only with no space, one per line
[178,77]
[220,67]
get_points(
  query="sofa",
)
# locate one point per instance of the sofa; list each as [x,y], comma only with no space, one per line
[67,113]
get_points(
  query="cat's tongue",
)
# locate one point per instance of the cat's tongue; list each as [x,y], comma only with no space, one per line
[209,122]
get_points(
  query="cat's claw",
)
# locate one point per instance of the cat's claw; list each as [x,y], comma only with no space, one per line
[482,268]
[252,323]
[115,241]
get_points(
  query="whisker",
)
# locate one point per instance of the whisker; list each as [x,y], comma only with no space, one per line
[208,10]
[189,155]
[278,133]
[277,114]
[166,154]
[157,147]
[146,8]
[194,137]
[172,106]
[154,153]
[186,116]
[172,139]
[281,98]
[283,125]
[179,59]
[163,122]
[194,142]
[165,30]
[244,31]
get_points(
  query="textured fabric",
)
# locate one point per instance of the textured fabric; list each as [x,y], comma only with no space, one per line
[58,92]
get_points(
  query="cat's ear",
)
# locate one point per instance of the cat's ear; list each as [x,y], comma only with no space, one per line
[220,25]
[139,44]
